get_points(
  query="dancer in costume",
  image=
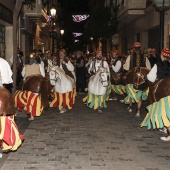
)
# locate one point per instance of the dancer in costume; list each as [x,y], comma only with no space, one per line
[159,111]
[98,82]
[64,63]
[98,62]
[136,59]
[25,97]
[33,68]
[115,70]
[10,139]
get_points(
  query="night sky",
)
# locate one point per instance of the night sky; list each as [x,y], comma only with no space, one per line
[69,8]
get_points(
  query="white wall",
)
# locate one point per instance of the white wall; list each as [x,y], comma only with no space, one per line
[141,24]
[133,24]
[9,42]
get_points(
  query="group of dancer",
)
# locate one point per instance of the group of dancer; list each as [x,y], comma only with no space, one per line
[156,76]
[68,78]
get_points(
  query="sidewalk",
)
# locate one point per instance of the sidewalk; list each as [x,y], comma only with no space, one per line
[22,123]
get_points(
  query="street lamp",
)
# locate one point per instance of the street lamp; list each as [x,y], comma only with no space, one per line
[62,32]
[53,12]
[162,6]
[91,38]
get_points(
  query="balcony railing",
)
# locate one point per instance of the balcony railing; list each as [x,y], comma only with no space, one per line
[132,7]
[37,12]
[130,10]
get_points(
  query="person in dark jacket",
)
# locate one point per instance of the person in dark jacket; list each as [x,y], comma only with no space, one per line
[80,73]
[135,59]
[161,70]
[152,57]
[115,68]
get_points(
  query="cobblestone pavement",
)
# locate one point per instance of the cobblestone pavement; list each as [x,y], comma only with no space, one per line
[87,140]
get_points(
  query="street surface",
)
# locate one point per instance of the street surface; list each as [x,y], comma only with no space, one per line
[84,139]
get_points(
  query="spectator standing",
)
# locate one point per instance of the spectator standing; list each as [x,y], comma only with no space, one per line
[80,73]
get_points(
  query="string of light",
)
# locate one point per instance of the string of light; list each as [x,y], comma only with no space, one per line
[77,34]
[79,18]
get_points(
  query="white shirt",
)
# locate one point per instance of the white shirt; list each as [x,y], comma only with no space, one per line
[126,66]
[69,65]
[50,63]
[41,71]
[97,64]
[117,66]
[152,75]
[89,62]
[42,63]
[5,72]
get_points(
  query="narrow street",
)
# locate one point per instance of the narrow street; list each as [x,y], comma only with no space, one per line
[85,139]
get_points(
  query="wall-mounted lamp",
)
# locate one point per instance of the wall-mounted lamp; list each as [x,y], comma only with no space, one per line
[62,32]
[53,12]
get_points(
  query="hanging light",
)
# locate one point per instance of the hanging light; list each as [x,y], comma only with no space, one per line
[62,32]
[53,12]
[77,34]
[79,18]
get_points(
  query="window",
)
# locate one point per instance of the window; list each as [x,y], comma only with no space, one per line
[2,41]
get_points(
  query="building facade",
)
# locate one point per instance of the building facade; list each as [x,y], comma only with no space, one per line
[140,21]
[32,31]
[6,22]
[35,29]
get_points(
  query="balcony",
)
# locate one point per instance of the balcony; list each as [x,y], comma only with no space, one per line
[38,12]
[131,10]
